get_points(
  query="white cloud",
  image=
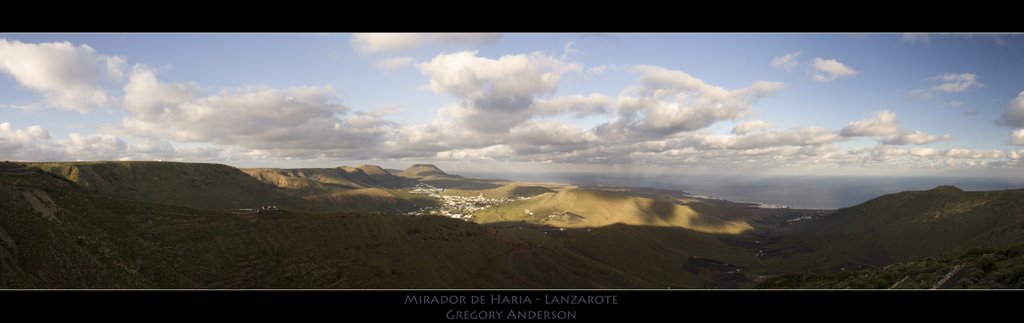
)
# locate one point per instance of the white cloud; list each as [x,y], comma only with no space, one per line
[115,67]
[923,152]
[914,138]
[1017,137]
[973,154]
[396,42]
[665,102]
[549,137]
[93,147]
[786,62]
[27,135]
[805,136]
[597,70]
[1014,114]
[394,63]
[149,99]
[751,126]
[887,153]
[578,105]
[885,126]
[955,103]
[68,76]
[948,83]
[34,143]
[569,50]
[486,153]
[882,123]
[493,95]
[282,122]
[824,70]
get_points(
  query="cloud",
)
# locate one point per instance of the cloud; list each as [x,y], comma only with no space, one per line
[665,102]
[27,135]
[825,70]
[955,103]
[394,63]
[786,62]
[493,95]
[914,138]
[397,42]
[805,136]
[1014,114]
[597,70]
[882,123]
[580,106]
[1017,137]
[973,153]
[569,50]
[923,152]
[750,126]
[284,122]
[68,76]
[486,153]
[93,147]
[549,137]
[885,126]
[948,83]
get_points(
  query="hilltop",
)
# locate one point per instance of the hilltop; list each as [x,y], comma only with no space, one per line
[211,186]
[423,170]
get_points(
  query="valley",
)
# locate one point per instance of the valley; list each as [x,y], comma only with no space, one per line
[193,225]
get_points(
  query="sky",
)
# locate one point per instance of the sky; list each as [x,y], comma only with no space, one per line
[747,104]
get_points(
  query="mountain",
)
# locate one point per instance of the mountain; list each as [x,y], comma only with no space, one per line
[913,224]
[307,178]
[344,177]
[383,177]
[55,233]
[574,208]
[199,185]
[423,170]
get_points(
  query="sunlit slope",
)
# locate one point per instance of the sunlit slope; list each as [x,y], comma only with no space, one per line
[511,190]
[898,227]
[199,185]
[345,177]
[574,208]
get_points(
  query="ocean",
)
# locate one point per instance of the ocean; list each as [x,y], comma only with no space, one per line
[809,192]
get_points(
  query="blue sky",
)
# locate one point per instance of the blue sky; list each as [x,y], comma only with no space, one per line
[841,103]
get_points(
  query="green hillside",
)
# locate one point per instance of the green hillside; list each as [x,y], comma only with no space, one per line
[901,226]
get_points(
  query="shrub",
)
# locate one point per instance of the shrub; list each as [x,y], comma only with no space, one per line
[987,262]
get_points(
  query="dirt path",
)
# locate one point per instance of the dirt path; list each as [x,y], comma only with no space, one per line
[948,276]
[899,282]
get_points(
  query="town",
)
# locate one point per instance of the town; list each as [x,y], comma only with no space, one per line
[456,207]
